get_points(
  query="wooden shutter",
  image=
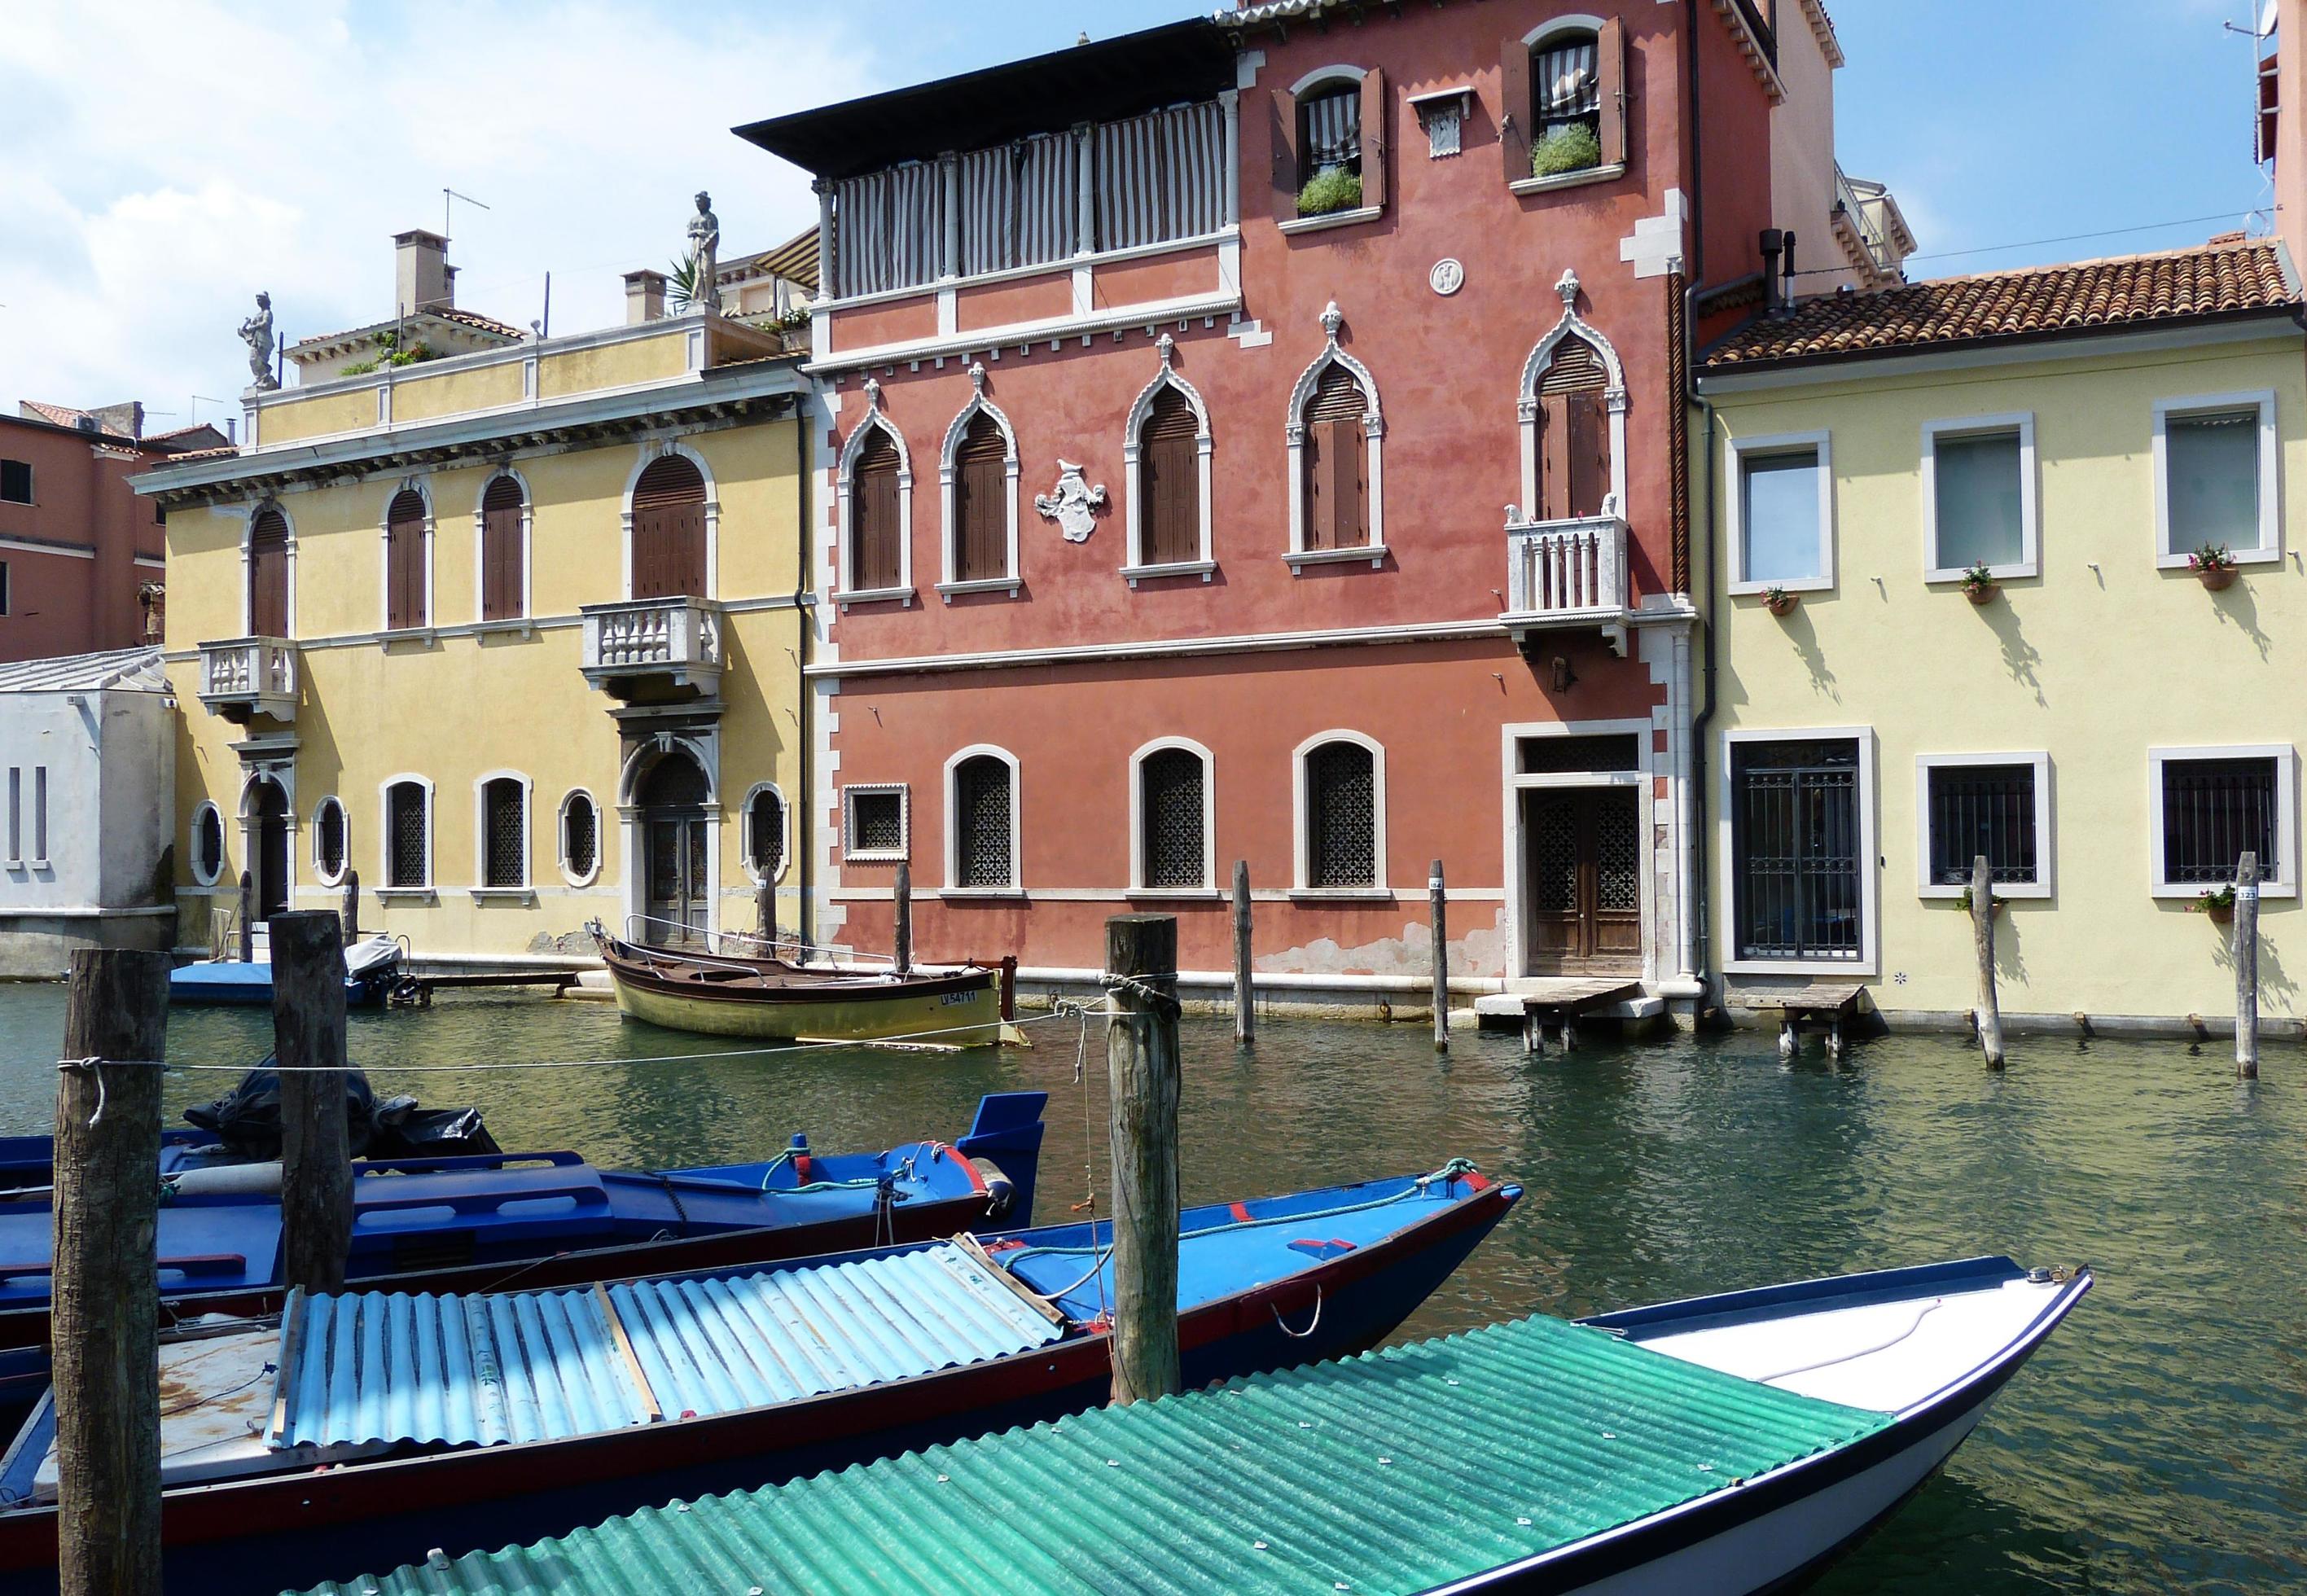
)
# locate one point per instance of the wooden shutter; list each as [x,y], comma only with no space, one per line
[1587,451]
[980,478]
[1337,512]
[267,576]
[500,550]
[1514,108]
[403,561]
[873,515]
[1170,482]
[1553,457]
[669,530]
[1610,83]
[1282,119]
[1374,137]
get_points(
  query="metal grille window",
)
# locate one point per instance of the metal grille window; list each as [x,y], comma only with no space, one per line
[876,823]
[1341,816]
[1330,131]
[581,835]
[1796,850]
[504,821]
[408,851]
[2214,809]
[328,839]
[1172,813]
[1983,808]
[208,844]
[984,842]
[765,834]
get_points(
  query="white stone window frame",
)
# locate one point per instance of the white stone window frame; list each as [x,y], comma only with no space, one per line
[2269,551]
[247,562]
[1136,569]
[1738,453]
[320,871]
[421,485]
[652,451]
[751,865]
[843,484]
[954,887]
[1137,885]
[1293,433]
[949,582]
[527,547]
[527,887]
[2045,831]
[206,806]
[561,837]
[1614,398]
[384,886]
[2284,882]
[1870,871]
[1302,837]
[850,852]
[1957,428]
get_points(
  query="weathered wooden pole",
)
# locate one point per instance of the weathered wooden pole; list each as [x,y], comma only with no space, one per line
[2246,967]
[247,925]
[352,907]
[1142,1069]
[308,1038]
[107,1276]
[764,914]
[1982,936]
[1441,959]
[1245,993]
[903,934]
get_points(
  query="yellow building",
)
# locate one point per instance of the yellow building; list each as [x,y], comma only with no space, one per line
[2111,727]
[513,634]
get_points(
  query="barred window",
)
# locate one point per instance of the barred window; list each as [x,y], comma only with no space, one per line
[2214,811]
[1173,818]
[1799,850]
[1341,816]
[208,844]
[1984,809]
[873,822]
[504,837]
[580,837]
[984,846]
[408,838]
[765,833]
[329,840]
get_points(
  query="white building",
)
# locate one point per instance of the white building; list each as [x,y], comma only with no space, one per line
[87,799]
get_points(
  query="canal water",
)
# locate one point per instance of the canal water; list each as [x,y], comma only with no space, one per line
[2158,1442]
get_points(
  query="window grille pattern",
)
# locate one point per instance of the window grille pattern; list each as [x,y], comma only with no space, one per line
[328,839]
[1618,857]
[874,549]
[1161,176]
[1019,204]
[581,835]
[765,834]
[1553,855]
[877,822]
[888,229]
[983,844]
[1796,858]
[208,844]
[1170,481]
[408,860]
[2213,811]
[504,819]
[1341,816]
[674,782]
[1983,808]
[1556,756]
[1174,850]
[1330,130]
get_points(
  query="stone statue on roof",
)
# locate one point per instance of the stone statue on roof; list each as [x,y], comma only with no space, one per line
[257,333]
[705,255]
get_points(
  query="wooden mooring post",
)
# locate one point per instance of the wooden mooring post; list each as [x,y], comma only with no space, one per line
[1989,1014]
[247,925]
[308,1038]
[107,1276]
[1142,1075]
[765,916]
[902,935]
[1245,994]
[352,907]
[1440,913]
[2246,967]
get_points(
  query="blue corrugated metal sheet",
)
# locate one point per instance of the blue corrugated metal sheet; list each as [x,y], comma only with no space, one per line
[1396,1472]
[520,1365]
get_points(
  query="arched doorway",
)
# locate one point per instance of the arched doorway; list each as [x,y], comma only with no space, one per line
[674,847]
[267,808]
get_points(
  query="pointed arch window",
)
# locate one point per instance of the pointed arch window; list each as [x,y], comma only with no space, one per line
[978,477]
[1572,406]
[669,530]
[1335,431]
[408,560]
[505,549]
[875,492]
[1165,456]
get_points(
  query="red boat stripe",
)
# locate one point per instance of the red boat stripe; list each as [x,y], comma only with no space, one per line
[1476,1180]
[1240,1211]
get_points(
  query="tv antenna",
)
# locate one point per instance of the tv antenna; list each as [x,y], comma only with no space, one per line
[447,195]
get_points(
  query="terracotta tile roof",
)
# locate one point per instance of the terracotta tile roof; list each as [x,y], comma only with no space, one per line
[65,416]
[466,318]
[474,318]
[2129,291]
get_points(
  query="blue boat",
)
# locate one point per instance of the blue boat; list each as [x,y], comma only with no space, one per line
[371,969]
[366,1429]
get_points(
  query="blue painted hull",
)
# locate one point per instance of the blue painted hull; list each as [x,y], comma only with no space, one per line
[251,985]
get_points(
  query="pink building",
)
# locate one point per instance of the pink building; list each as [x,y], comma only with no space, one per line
[1262,439]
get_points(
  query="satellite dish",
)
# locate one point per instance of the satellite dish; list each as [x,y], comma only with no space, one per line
[2266,17]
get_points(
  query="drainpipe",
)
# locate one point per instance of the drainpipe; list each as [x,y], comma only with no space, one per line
[804,823]
[1701,906]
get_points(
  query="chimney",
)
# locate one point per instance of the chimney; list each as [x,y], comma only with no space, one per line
[1786,286]
[2283,125]
[644,297]
[421,274]
[1773,241]
[126,418]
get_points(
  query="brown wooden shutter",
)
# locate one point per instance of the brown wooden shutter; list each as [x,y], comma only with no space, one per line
[1374,137]
[500,550]
[1573,367]
[1282,119]
[1337,515]
[1588,448]
[1514,106]
[403,561]
[1348,487]
[981,479]
[267,576]
[669,530]
[1610,81]
[873,561]
[1169,479]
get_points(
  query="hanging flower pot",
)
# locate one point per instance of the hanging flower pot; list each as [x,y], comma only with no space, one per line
[1780,602]
[2214,566]
[2218,905]
[2218,580]
[1979,586]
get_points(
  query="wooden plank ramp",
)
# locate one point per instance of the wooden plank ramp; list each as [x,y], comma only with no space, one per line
[1558,1002]
[1830,1007]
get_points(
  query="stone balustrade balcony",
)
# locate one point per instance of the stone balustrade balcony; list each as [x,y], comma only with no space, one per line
[245,677]
[1568,574]
[652,645]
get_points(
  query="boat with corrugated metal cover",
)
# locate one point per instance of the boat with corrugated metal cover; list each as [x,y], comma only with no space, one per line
[1729,1444]
[466,1223]
[366,1429]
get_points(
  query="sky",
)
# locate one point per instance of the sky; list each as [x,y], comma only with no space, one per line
[162,161]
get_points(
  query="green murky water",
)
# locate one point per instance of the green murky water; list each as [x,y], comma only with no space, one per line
[2158,1442]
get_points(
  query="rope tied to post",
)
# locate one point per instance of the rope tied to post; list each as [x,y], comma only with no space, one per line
[1162,1003]
[95,1067]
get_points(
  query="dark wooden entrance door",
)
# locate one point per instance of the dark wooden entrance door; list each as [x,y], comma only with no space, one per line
[674,840]
[270,811]
[1581,849]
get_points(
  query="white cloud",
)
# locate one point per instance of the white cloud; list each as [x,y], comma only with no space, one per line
[164,159]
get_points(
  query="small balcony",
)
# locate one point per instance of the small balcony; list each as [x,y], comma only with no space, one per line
[649,646]
[249,676]
[1567,575]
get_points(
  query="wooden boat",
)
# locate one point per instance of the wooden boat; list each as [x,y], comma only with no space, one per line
[1726,1445]
[371,969]
[371,1428]
[773,1000]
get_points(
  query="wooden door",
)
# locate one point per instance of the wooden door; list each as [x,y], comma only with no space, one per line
[272,884]
[676,880]
[1582,851]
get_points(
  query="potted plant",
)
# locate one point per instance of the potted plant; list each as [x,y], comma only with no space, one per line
[1979,584]
[1330,190]
[2218,902]
[1571,148]
[1778,601]
[1993,905]
[2214,566]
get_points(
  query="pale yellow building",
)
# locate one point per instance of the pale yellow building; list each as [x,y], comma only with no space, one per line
[2109,727]
[511,634]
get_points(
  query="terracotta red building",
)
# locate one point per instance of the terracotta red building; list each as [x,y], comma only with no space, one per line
[1262,439]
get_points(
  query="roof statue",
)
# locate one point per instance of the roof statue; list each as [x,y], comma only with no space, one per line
[257,333]
[705,253]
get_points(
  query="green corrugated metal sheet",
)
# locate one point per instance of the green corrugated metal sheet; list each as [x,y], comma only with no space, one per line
[1396,1472]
